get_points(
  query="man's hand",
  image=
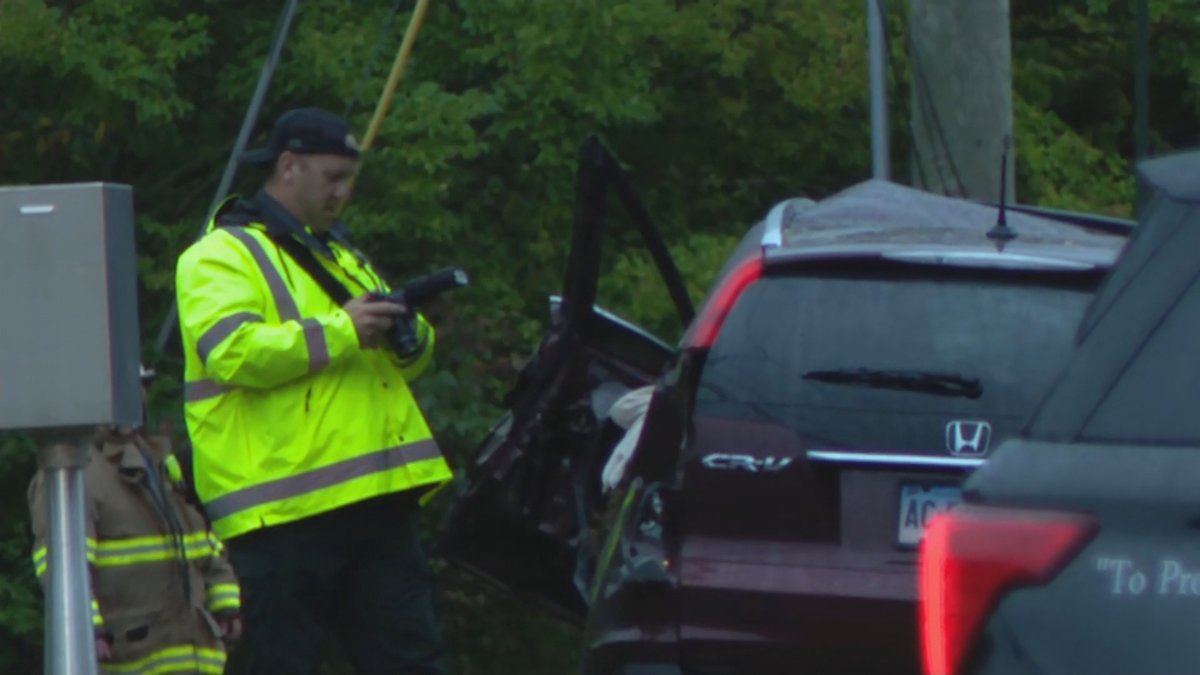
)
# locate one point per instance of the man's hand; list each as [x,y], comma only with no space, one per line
[231,628]
[372,318]
[103,649]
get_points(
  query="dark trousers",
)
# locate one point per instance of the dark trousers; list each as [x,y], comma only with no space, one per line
[358,571]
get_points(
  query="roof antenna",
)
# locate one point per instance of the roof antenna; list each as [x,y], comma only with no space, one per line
[1001,233]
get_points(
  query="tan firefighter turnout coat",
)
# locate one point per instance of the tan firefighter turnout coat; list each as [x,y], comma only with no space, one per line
[158,575]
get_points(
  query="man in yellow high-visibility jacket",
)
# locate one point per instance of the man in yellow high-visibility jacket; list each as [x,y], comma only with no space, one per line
[310,453]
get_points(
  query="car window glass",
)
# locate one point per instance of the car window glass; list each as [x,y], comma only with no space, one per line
[1010,337]
[1150,401]
[1161,223]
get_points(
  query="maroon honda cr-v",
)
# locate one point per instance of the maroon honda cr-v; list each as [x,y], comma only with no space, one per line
[856,358]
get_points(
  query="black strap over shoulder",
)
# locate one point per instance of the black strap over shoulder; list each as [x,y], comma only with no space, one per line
[243,212]
[308,262]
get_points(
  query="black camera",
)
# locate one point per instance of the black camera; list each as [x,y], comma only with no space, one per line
[403,338]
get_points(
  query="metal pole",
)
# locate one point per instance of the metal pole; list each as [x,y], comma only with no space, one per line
[260,92]
[1141,96]
[880,152]
[70,645]
[389,90]
[393,81]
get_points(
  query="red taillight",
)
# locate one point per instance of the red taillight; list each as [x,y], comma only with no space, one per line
[971,556]
[704,330]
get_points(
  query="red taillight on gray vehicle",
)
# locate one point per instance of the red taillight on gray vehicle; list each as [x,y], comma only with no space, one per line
[971,557]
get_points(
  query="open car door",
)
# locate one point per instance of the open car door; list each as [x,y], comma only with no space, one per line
[525,519]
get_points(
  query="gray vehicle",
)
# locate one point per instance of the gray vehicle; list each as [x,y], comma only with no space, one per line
[1078,547]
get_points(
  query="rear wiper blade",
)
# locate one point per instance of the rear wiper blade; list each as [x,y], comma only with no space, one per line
[937,384]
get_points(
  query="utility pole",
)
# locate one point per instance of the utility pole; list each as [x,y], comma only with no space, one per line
[881,166]
[1141,96]
[961,56]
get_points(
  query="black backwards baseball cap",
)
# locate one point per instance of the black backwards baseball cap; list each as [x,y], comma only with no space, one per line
[307,131]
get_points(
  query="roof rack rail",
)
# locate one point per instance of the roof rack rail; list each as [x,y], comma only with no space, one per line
[1090,221]
[777,218]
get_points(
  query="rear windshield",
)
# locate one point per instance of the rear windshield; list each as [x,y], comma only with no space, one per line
[889,363]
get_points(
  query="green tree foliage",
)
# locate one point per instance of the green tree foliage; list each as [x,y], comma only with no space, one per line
[1073,86]
[718,108]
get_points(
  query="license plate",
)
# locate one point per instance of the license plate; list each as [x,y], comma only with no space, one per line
[918,504]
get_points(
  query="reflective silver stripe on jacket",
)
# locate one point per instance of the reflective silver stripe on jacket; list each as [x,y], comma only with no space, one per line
[318,348]
[221,330]
[279,290]
[314,332]
[317,479]
[200,390]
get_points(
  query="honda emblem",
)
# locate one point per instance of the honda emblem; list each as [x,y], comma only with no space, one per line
[968,437]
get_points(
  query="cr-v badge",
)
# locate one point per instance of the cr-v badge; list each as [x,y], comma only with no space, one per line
[724,461]
[968,437]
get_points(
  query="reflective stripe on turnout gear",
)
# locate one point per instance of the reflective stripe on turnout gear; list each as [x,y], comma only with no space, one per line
[181,659]
[136,550]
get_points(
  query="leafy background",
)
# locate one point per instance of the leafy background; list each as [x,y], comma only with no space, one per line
[719,108]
